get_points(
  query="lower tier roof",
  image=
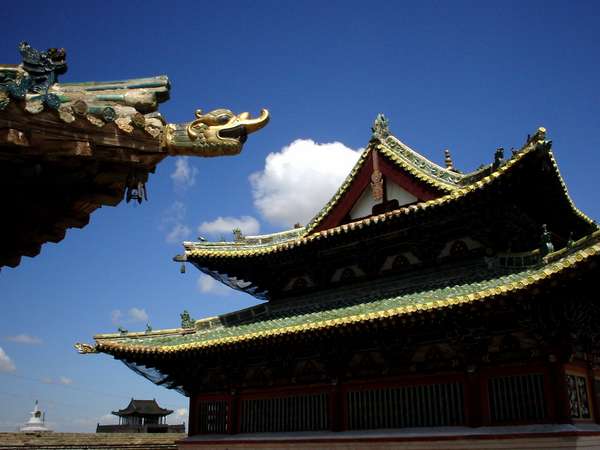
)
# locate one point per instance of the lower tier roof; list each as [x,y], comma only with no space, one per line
[219,332]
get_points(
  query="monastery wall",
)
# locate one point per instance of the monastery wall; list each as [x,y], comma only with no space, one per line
[89,441]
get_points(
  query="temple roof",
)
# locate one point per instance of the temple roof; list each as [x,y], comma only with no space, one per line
[33,87]
[452,188]
[143,408]
[396,301]
[66,149]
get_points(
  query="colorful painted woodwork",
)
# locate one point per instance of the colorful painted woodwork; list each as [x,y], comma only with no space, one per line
[66,149]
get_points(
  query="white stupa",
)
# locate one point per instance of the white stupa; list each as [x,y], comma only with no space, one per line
[36,421]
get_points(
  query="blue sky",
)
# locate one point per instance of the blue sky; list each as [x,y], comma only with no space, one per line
[468,76]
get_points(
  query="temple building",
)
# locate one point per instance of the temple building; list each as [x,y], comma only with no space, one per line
[142,416]
[67,149]
[421,307]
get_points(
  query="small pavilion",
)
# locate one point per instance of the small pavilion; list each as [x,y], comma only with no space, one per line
[142,416]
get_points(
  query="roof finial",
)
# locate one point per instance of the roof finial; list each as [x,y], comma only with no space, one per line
[186,320]
[380,127]
[546,244]
[498,157]
[570,240]
[448,159]
[238,235]
[540,135]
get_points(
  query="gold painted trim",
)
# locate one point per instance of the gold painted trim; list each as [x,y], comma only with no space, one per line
[542,274]
[414,171]
[315,221]
[450,197]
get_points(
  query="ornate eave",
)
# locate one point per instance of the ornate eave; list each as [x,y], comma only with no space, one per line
[210,334]
[67,149]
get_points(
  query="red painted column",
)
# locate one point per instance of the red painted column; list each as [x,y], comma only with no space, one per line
[594,375]
[336,408]
[476,415]
[233,417]
[556,393]
[193,416]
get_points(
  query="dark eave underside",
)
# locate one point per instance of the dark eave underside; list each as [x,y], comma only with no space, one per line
[53,176]
[529,184]
[139,346]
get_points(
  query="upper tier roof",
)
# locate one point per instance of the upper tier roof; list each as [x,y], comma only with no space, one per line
[447,188]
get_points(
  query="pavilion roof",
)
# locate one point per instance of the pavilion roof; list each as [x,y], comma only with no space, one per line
[266,322]
[143,408]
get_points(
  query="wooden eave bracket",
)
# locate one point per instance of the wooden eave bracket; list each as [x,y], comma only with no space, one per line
[13,137]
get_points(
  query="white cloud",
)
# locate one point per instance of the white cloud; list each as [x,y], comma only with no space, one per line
[106,419]
[6,364]
[65,380]
[175,213]
[115,316]
[133,315]
[179,232]
[225,226]
[24,339]
[298,180]
[208,285]
[184,175]
[173,223]
[182,412]
[138,315]
[60,380]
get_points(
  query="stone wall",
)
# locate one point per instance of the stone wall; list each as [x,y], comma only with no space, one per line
[89,441]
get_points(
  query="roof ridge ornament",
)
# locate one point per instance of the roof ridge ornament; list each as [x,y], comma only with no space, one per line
[546,241]
[448,159]
[539,135]
[37,72]
[377,190]
[498,157]
[186,320]
[380,129]
[84,349]
[216,133]
[130,105]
